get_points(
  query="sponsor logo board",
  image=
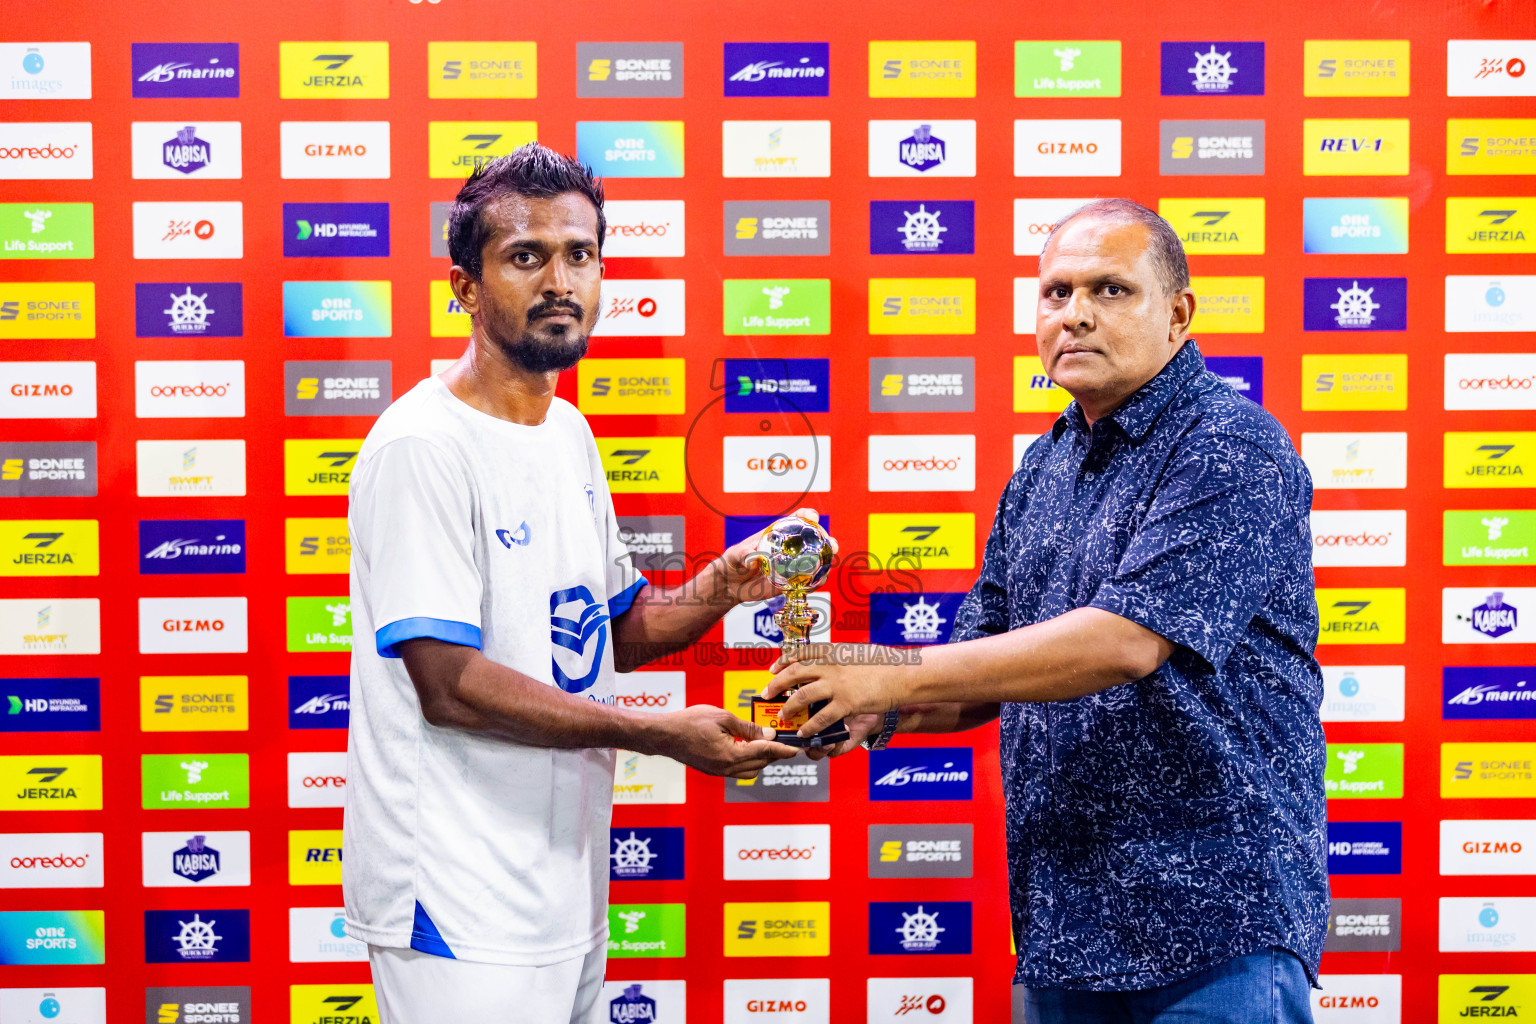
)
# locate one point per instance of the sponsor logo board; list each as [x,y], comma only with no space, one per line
[1364,925]
[1469,924]
[47,231]
[1363,693]
[319,702]
[192,625]
[50,625]
[482,70]
[1473,770]
[1339,146]
[48,310]
[771,852]
[922,148]
[319,935]
[1356,225]
[197,936]
[1355,67]
[630,386]
[921,773]
[779,1000]
[195,780]
[1207,68]
[922,227]
[51,860]
[333,149]
[45,71]
[189,389]
[37,938]
[775,385]
[178,151]
[349,70]
[934,384]
[1490,537]
[1355,304]
[1489,847]
[777,306]
[196,859]
[50,782]
[777,69]
[615,70]
[1490,67]
[937,540]
[171,468]
[776,149]
[922,462]
[1066,149]
[1210,147]
[631,149]
[188,231]
[777,228]
[319,624]
[189,309]
[1353,537]
[1066,67]
[1485,615]
[641,854]
[646,930]
[335,229]
[194,703]
[655,543]
[337,309]
[1365,847]
[317,779]
[319,466]
[920,851]
[930,927]
[778,929]
[648,779]
[1361,615]
[45,150]
[186,70]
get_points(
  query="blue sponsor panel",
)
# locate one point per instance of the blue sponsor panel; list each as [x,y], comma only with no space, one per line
[906,620]
[739,528]
[217,936]
[335,229]
[188,309]
[1488,692]
[920,773]
[1244,373]
[1212,68]
[50,705]
[639,854]
[186,70]
[1354,225]
[337,309]
[178,546]
[922,227]
[913,928]
[777,69]
[1365,847]
[319,702]
[774,385]
[1355,304]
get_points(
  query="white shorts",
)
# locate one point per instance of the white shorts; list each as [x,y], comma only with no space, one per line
[419,988]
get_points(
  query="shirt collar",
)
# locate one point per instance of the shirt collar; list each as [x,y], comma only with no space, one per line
[1136,414]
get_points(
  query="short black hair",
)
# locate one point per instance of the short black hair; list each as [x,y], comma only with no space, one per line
[530,170]
[1164,248]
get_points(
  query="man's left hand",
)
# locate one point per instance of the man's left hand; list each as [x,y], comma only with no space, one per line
[850,677]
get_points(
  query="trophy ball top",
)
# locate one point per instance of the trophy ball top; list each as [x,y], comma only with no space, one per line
[797,552]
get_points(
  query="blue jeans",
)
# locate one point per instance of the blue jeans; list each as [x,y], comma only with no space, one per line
[1269,987]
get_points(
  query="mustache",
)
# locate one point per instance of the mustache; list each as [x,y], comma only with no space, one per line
[539,309]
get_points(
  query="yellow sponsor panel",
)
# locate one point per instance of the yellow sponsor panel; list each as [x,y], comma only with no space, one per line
[1490,224]
[1033,391]
[333,71]
[50,547]
[932,67]
[1362,615]
[1490,145]
[1210,227]
[630,386]
[194,703]
[740,687]
[482,70]
[643,465]
[1335,383]
[1229,305]
[448,318]
[455,148]
[47,309]
[317,545]
[922,305]
[1500,458]
[778,929]
[935,540]
[50,782]
[332,1004]
[1356,67]
[1504,996]
[319,465]
[1487,770]
[314,856]
[1354,146]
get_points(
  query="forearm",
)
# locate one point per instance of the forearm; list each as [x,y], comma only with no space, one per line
[957,716]
[667,619]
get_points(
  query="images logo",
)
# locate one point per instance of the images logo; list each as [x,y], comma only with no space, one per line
[931,149]
[334,149]
[622,70]
[778,306]
[336,309]
[1361,615]
[1216,226]
[922,227]
[777,929]
[646,929]
[50,705]
[920,773]
[772,385]
[482,70]
[45,71]
[922,68]
[1363,693]
[186,70]
[1355,304]
[1481,303]
[1354,147]
[168,546]
[922,305]
[1364,770]
[775,69]
[1341,382]
[1211,147]
[1364,225]
[319,702]
[47,231]
[1213,69]
[1355,67]
[1066,68]
[346,70]
[928,927]
[631,149]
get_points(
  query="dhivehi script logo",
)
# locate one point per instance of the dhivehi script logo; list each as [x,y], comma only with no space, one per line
[578,623]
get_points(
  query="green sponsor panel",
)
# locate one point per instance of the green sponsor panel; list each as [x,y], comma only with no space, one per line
[1490,537]
[1364,771]
[783,306]
[196,780]
[47,231]
[1077,68]
[646,929]
[320,624]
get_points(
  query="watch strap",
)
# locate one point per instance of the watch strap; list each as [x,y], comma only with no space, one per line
[887,730]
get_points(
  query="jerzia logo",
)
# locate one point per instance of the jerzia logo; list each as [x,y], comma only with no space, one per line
[578,624]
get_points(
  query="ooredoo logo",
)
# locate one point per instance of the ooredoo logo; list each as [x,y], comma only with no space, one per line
[782,853]
[53,150]
[922,462]
[762,852]
[1353,538]
[317,779]
[184,388]
[1490,381]
[644,227]
[51,860]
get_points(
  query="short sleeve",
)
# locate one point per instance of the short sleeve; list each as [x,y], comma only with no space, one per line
[413,525]
[984,612]
[1199,568]
[622,579]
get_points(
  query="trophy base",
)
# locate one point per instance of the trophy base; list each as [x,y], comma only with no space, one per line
[765,712]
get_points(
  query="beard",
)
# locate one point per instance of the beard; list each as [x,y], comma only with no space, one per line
[540,347]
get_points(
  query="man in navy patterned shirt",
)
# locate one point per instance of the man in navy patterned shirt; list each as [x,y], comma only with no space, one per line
[1144,624]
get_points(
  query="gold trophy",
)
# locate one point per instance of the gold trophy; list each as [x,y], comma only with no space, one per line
[796,556]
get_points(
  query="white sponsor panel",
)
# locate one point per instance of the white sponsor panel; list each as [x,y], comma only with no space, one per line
[182,388]
[1504,380]
[1478,303]
[650,691]
[1490,847]
[1032,223]
[1066,149]
[930,1000]
[1363,693]
[51,860]
[1488,615]
[1026,299]
[1374,461]
[175,468]
[181,150]
[317,779]
[1358,999]
[778,1001]
[891,148]
[45,71]
[777,464]
[671,1001]
[767,852]
[642,308]
[922,462]
[45,150]
[1490,67]
[317,935]
[50,625]
[334,149]
[74,1005]
[643,227]
[187,859]
[188,231]
[1504,924]
[776,149]
[192,625]
[1355,537]
[1021,443]
[54,391]
[648,779]
[752,625]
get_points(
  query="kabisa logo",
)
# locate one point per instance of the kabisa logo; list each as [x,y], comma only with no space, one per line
[195,861]
[1493,618]
[197,936]
[186,70]
[927,927]
[191,546]
[777,69]
[578,624]
[1355,304]
[922,227]
[319,702]
[1212,69]
[900,620]
[186,152]
[922,150]
[195,309]
[632,1007]
[920,773]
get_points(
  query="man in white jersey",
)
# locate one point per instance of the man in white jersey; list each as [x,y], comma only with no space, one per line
[492,601]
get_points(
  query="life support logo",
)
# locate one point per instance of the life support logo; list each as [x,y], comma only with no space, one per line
[579,624]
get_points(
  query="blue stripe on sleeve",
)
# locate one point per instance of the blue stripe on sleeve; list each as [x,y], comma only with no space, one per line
[400,630]
[619,603]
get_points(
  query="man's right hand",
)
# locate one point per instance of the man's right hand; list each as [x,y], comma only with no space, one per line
[715,741]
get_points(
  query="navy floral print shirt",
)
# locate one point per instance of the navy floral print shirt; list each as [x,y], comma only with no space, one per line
[1160,828]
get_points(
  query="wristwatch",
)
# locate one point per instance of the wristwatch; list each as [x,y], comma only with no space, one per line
[887,730]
